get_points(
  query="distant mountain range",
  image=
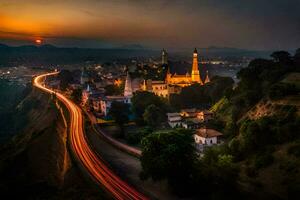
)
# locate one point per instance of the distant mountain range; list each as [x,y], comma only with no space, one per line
[51,55]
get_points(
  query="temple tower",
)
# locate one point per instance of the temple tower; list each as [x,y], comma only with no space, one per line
[195,71]
[164,57]
[128,86]
[144,87]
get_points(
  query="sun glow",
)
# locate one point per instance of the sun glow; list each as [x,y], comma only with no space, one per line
[38,41]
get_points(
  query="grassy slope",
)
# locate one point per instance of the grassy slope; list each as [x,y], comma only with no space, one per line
[36,163]
[272,180]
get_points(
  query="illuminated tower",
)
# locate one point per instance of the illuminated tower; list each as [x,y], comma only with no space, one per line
[195,71]
[144,87]
[128,86]
[207,80]
[164,57]
[168,76]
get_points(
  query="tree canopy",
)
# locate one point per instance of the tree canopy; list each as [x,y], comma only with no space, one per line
[141,100]
[168,155]
[120,112]
[200,96]
[153,116]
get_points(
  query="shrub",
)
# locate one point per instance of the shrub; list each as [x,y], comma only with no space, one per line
[281,90]
[264,160]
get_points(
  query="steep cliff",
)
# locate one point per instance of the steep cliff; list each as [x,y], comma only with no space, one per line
[36,163]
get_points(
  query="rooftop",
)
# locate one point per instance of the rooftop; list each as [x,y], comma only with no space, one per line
[173,114]
[207,133]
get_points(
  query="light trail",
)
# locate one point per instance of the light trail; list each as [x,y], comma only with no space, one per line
[84,153]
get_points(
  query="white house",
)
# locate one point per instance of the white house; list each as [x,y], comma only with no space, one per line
[206,137]
[174,119]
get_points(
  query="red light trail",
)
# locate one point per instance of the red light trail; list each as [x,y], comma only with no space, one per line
[84,153]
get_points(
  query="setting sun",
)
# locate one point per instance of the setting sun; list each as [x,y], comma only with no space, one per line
[38,41]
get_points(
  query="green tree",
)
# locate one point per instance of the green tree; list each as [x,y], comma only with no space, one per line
[194,96]
[218,86]
[120,111]
[169,155]
[141,100]
[282,57]
[153,116]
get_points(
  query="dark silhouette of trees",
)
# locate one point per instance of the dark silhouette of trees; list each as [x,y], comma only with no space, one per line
[169,155]
[141,100]
[154,116]
[120,112]
[77,95]
[282,57]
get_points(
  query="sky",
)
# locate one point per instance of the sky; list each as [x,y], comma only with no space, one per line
[173,24]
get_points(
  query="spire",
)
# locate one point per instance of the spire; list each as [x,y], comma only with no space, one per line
[128,86]
[207,80]
[164,57]
[195,71]
[144,87]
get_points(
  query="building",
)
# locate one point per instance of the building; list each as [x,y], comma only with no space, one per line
[205,137]
[174,119]
[159,88]
[191,123]
[191,118]
[173,83]
[85,94]
[128,86]
[84,78]
[164,57]
[186,79]
[106,101]
[205,115]
[207,80]
[189,113]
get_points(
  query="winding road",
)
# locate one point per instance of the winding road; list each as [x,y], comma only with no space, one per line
[90,161]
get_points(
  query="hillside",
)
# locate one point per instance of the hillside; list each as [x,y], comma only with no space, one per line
[261,123]
[267,107]
[36,163]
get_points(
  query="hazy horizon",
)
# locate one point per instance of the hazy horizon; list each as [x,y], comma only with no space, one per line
[254,25]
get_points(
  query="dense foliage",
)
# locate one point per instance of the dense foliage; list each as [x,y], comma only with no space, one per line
[168,155]
[171,155]
[141,100]
[120,111]
[201,96]
[154,116]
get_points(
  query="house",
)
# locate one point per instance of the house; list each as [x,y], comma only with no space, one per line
[191,123]
[205,115]
[189,113]
[174,119]
[206,137]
